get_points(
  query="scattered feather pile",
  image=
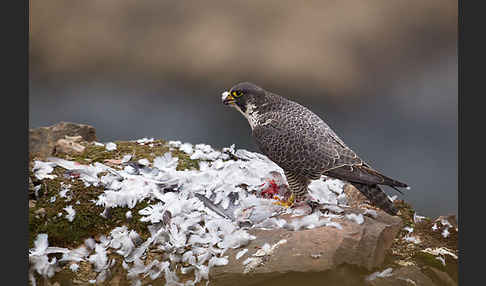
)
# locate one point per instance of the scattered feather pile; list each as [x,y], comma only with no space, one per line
[194,216]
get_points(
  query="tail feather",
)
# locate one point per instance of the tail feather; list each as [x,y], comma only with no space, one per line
[377,197]
[386,180]
[364,175]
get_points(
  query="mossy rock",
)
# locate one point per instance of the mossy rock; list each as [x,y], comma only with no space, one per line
[88,222]
[403,253]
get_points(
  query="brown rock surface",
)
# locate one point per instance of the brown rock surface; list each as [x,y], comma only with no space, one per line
[69,145]
[439,277]
[309,251]
[42,140]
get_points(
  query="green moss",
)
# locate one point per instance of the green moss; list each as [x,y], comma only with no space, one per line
[87,221]
[429,260]
[139,151]
[185,162]
[93,153]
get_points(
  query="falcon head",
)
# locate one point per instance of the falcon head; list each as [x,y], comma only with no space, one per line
[245,97]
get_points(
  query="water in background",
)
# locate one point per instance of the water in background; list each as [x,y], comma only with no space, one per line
[410,134]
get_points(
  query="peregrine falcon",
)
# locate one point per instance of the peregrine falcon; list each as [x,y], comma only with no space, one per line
[304,146]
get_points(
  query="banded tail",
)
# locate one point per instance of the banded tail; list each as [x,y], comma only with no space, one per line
[377,197]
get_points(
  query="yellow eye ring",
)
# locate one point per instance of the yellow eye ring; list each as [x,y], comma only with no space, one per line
[237,93]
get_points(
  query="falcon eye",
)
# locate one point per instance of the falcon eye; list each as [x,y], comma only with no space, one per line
[237,93]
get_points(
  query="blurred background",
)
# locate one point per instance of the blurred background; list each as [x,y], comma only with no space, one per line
[383,74]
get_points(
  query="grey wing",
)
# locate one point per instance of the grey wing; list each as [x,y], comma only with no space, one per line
[300,150]
[351,168]
[345,157]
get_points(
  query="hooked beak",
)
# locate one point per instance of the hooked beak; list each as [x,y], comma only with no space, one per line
[227,98]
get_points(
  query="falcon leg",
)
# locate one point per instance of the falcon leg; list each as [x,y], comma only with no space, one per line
[298,188]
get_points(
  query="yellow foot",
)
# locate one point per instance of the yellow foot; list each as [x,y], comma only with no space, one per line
[287,204]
